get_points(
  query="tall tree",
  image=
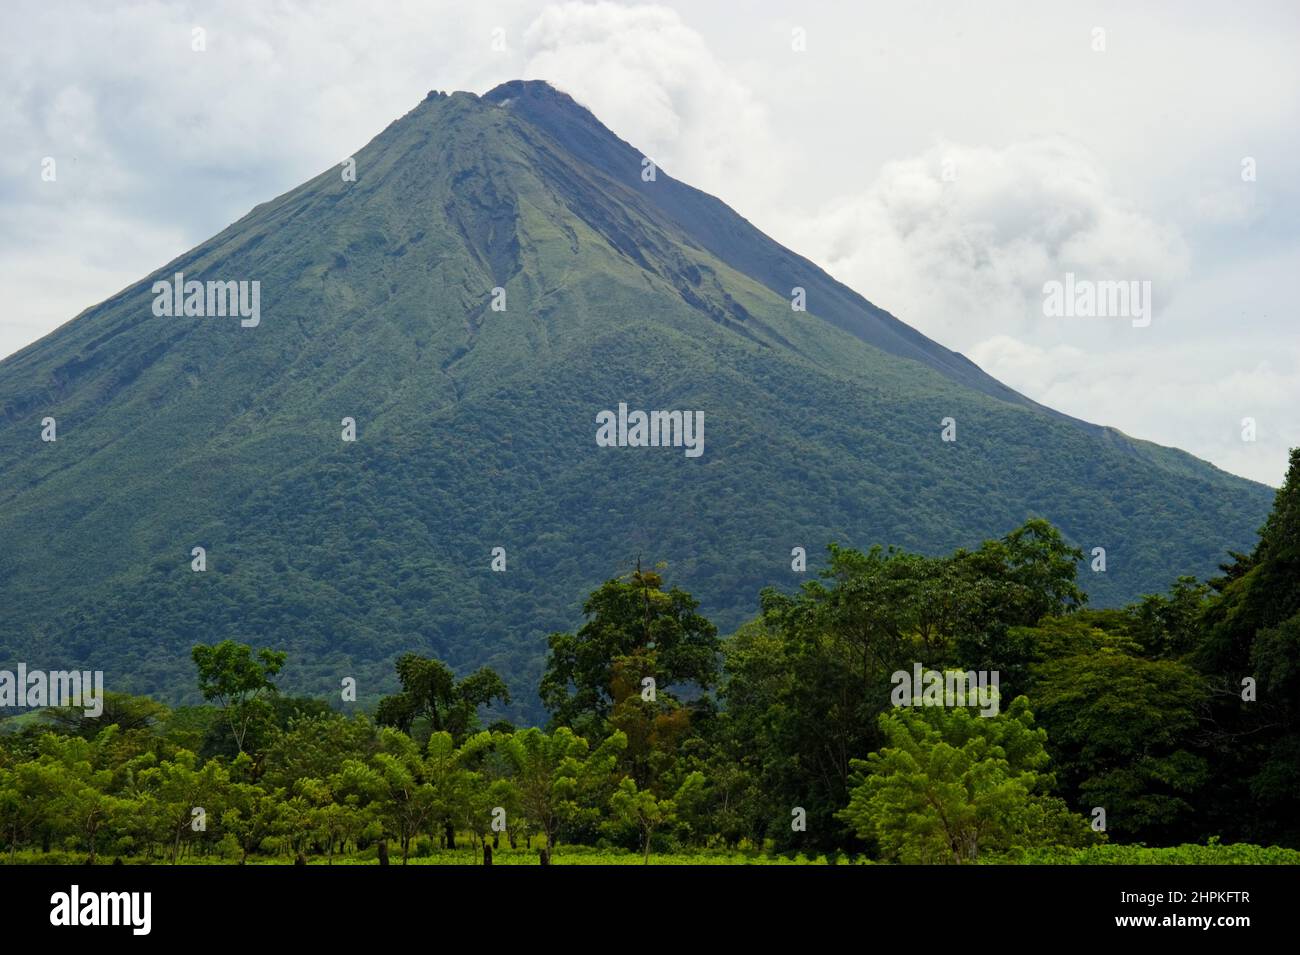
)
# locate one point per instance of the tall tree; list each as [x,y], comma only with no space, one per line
[1250,653]
[633,625]
[647,812]
[432,694]
[238,681]
[551,769]
[1123,732]
[952,784]
[407,801]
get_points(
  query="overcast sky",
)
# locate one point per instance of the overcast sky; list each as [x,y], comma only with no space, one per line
[944,159]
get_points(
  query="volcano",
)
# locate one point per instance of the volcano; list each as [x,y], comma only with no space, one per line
[401,452]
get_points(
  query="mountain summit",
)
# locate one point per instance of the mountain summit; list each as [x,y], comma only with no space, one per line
[469,297]
[715,228]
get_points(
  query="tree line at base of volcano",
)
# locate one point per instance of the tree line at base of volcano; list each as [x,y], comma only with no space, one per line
[1173,720]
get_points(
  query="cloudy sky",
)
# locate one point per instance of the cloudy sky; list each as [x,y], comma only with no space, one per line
[945,161]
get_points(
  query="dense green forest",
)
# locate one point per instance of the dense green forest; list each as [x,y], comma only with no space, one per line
[1172,722]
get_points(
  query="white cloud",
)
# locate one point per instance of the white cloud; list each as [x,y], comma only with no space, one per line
[655,82]
[964,257]
[960,240]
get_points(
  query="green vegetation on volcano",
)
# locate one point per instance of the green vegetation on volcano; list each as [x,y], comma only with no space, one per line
[476,428]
